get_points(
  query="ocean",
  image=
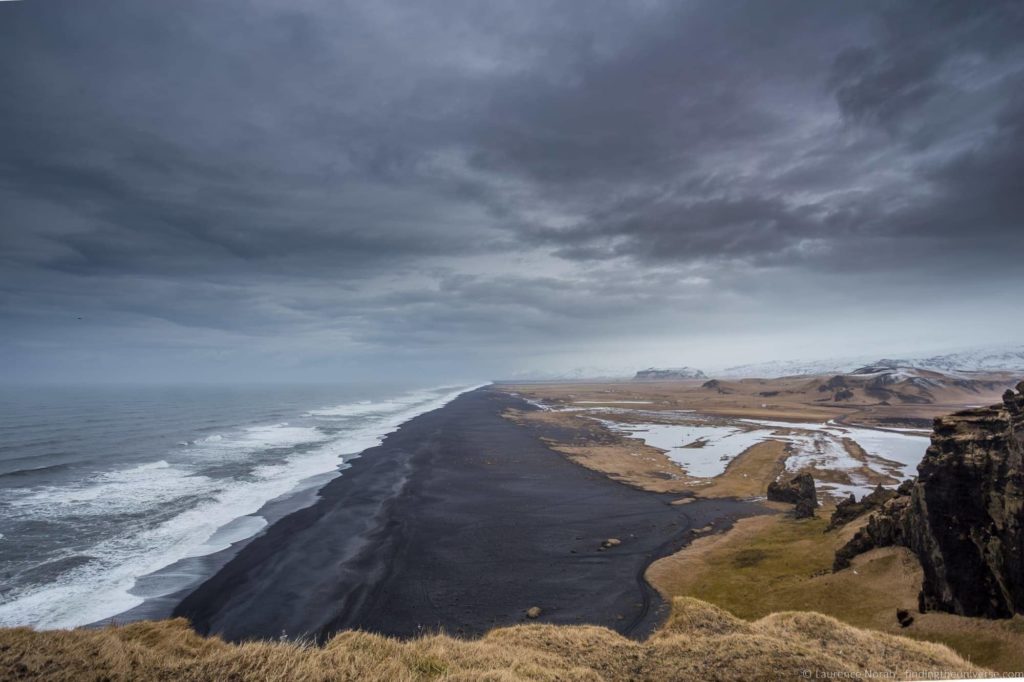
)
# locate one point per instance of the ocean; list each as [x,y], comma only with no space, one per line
[109,496]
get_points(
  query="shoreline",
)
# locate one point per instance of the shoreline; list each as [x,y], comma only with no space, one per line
[161,590]
[202,567]
[459,521]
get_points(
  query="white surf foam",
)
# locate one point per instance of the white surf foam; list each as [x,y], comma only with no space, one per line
[366,407]
[101,588]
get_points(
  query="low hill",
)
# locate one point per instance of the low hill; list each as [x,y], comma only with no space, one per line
[699,642]
[894,382]
[885,382]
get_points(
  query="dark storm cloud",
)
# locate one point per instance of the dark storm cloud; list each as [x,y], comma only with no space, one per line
[902,70]
[936,77]
[332,177]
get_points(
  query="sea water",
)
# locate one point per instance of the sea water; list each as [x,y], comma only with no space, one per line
[100,487]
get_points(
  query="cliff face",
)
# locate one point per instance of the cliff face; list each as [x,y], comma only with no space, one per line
[964,517]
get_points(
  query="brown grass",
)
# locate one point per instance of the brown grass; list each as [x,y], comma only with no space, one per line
[700,642]
[749,474]
[791,398]
[741,400]
[769,564]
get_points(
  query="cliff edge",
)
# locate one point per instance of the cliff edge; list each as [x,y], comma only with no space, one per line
[964,516]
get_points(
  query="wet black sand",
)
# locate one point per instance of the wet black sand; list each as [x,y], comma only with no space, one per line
[461,520]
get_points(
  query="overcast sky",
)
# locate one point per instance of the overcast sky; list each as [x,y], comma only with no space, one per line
[316,190]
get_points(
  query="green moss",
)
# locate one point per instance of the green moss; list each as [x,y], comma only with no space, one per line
[788,554]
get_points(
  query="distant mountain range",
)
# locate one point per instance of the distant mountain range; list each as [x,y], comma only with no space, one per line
[1004,359]
[898,382]
[988,359]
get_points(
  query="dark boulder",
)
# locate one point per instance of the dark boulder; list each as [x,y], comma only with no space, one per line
[799,491]
[715,385]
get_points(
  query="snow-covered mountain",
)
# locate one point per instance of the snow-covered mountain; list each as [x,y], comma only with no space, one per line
[788,368]
[988,359]
[893,382]
[1005,359]
[997,359]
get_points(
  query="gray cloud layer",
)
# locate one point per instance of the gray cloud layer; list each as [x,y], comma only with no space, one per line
[315,190]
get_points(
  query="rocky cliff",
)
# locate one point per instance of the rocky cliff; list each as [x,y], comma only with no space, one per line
[964,516]
[849,509]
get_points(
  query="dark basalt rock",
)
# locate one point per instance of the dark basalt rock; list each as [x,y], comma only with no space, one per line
[964,516]
[836,382]
[843,394]
[906,487]
[885,528]
[715,385]
[849,509]
[839,386]
[799,491]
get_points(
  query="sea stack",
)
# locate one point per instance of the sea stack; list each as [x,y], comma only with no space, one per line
[799,491]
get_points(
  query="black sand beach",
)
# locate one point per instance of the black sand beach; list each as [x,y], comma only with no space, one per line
[461,520]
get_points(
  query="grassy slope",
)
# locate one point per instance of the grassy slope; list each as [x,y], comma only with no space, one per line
[700,642]
[786,563]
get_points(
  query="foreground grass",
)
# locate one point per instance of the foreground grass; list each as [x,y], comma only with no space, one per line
[700,642]
[775,563]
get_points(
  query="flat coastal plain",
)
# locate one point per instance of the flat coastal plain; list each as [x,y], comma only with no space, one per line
[460,521]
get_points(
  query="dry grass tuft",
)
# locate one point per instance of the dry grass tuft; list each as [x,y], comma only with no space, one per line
[697,617]
[699,642]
